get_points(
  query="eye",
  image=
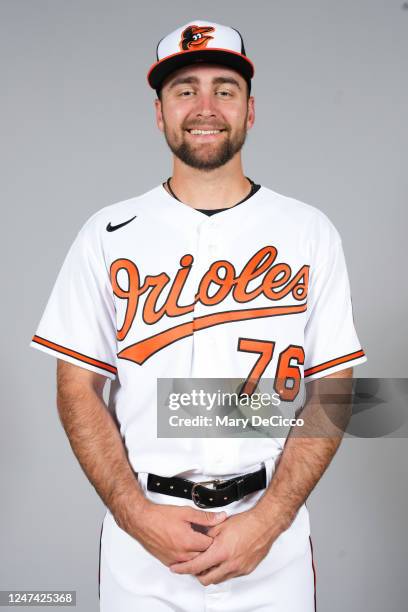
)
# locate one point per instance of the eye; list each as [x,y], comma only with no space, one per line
[224,93]
[186,93]
[196,36]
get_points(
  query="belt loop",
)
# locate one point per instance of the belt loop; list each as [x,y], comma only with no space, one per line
[142,480]
[240,488]
[269,469]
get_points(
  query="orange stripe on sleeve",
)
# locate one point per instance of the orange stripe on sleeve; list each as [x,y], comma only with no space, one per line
[333,362]
[75,354]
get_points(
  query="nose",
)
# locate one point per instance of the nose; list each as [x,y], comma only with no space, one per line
[205,105]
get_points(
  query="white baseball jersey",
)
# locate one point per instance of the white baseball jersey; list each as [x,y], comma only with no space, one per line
[152,288]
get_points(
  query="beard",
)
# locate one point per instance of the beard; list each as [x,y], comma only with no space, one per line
[206,156]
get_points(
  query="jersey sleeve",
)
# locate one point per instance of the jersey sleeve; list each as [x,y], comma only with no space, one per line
[331,342]
[79,320]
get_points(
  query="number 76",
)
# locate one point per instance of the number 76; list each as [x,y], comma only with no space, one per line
[285,371]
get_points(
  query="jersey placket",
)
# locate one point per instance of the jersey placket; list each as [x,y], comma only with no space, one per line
[205,346]
[217,453]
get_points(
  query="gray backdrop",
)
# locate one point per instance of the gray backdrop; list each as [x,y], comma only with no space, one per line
[78,133]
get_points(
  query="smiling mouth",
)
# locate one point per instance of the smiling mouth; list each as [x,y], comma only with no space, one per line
[196,132]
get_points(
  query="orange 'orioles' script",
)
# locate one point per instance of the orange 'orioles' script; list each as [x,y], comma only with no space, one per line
[274,281]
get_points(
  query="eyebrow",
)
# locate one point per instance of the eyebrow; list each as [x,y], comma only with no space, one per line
[194,80]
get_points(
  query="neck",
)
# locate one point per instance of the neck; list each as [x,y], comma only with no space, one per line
[219,188]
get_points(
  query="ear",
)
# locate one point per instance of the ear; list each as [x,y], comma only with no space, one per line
[159,114]
[251,112]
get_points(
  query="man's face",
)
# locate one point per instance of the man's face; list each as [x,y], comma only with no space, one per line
[205,113]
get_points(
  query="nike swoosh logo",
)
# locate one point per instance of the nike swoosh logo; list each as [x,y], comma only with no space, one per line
[112,228]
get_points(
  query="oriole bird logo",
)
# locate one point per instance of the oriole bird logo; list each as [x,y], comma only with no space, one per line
[195,37]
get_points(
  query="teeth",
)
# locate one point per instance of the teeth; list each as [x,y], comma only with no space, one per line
[200,132]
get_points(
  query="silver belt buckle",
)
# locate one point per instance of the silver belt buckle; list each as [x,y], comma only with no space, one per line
[195,495]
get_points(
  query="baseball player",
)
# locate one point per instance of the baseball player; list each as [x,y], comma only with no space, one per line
[207,275]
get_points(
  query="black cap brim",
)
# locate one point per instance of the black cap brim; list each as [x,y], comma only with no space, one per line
[161,69]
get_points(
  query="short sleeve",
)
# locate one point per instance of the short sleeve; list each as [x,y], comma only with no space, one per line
[79,320]
[331,342]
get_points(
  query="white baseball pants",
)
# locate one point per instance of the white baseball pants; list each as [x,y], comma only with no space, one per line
[131,579]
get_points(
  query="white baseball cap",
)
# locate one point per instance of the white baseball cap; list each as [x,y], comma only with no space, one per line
[200,41]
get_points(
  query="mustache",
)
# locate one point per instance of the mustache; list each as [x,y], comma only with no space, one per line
[205,126]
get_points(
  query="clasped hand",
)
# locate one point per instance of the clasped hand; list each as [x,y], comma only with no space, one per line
[239,544]
[217,548]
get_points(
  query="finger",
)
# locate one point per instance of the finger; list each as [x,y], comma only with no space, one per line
[205,572]
[216,574]
[198,542]
[214,531]
[201,563]
[200,517]
[188,556]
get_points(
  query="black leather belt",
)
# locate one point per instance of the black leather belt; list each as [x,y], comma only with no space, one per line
[223,492]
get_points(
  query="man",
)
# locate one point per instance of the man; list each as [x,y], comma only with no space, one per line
[208,275]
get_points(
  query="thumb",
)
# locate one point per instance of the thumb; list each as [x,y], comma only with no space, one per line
[214,531]
[207,519]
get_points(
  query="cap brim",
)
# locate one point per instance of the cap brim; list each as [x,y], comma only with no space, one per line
[161,69]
